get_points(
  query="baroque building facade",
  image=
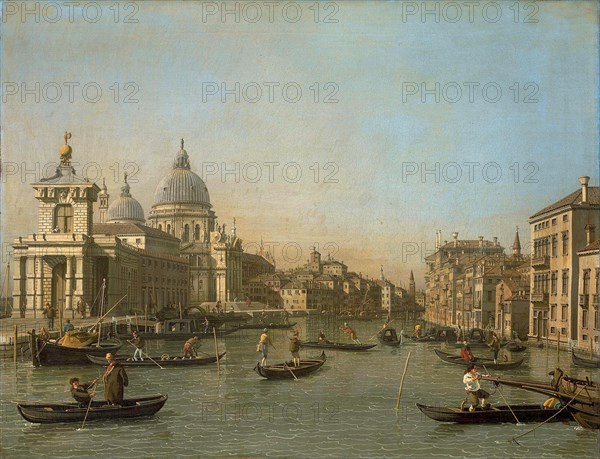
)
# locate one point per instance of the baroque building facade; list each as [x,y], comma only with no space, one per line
[182,256]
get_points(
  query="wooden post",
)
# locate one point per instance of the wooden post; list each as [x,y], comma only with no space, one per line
[547,349]
[557,347]
[217,352]
[402,381]
[34,350]
[15,344]
[591,348]
[146,317]
[137,325]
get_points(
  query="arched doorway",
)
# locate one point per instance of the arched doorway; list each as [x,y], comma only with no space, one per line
[58,288]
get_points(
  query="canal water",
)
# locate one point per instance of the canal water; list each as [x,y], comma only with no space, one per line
[347,409]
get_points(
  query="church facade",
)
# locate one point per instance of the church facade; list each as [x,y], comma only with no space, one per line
[180,255]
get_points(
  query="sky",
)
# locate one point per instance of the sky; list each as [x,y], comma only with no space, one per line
[358,127]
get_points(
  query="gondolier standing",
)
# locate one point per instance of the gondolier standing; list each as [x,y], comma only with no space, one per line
[473,389]
[138,342]
[115,380]
[295,348]
[189,348]
[350,332]
[263,346]
[494,346]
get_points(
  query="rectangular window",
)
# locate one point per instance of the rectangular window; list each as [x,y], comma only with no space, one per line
[584,318]
[553,312]
[553,330]
[565,243]
[565,282]
[553,221]
[564,312]
[565,217]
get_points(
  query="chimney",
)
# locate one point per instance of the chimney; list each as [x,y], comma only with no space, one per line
[455,237]
[590,235]
[495,241]
[480,241]
[584,188]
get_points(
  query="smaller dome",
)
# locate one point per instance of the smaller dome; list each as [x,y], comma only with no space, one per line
[125,209]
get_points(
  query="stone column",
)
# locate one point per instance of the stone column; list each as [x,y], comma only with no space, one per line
[38,279]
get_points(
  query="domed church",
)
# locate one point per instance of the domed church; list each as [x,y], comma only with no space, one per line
[179,255]
[182,208]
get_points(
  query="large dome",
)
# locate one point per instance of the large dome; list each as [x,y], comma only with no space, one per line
[181,185]
[125,209]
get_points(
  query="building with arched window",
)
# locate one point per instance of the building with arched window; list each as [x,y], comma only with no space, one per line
[182,256]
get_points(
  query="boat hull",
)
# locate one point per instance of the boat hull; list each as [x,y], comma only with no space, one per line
[178,336]
[338,346]
[287,370]
[55,354]
[267,326]
[588,363]
[488,363]
[171,362]
[71,412]
[494,415]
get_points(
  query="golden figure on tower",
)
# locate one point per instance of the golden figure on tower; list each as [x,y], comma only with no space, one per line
[65,151]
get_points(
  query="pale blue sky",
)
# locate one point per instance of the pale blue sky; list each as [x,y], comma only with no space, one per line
[371,134]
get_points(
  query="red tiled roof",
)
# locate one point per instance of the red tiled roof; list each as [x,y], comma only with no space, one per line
[572,200]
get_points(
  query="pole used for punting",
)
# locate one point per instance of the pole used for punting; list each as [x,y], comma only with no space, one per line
[402,381]
[557,348]
[217,352]
[16,339]
[34,350]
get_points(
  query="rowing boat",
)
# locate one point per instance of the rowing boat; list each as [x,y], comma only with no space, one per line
[46,413]
[56,354]
[488,363]
[583,362]
[337,346]
[163,361]
[494,415]
[287,370]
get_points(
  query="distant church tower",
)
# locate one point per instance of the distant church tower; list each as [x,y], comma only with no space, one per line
[411,285]
[103,200]
[517,244]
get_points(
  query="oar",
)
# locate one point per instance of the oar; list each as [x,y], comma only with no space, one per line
[382,328]
[151,359]
[285,365]
[88,408]
[505,401]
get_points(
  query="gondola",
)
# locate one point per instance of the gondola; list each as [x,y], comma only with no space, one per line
[495,415]
[49,353]
[581,397]
[271,326]
[163,362]
[337,346]
[179,336]
[47,413]
[287,370]
[582,362]
[488,363]
[389,337]
[515,346]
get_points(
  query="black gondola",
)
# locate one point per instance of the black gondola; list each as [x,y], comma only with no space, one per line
[270,326]
[163,362]
[488,363]
[55,354]
[287,370]
[47,413]
[176,335]
[495,415]
[337,346]
[389,337]
[515,346]
[582,362]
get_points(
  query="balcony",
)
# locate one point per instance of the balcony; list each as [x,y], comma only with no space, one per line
[584,301]
[539,297]
[540,262]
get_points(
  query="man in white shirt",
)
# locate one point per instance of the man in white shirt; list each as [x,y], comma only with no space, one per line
[473,389]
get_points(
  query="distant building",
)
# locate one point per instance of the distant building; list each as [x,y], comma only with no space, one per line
[589,288]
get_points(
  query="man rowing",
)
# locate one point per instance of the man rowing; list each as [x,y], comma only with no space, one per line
[351,333]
